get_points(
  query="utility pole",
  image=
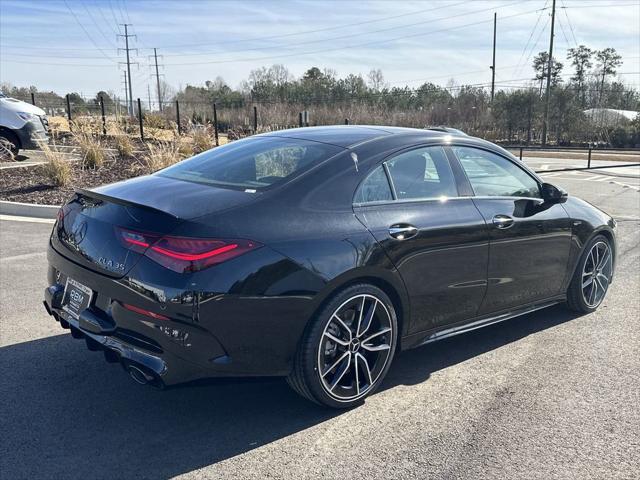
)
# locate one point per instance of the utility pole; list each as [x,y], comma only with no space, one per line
[547,100]
[127,49]
[493,63]
[155,55]
[126,92]
[149,97]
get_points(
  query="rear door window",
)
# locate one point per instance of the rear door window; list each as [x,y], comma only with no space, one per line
[422,173]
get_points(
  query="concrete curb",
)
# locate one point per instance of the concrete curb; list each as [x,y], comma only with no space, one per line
[28,209]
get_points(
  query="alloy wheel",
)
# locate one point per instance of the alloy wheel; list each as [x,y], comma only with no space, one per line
[596,274]
[355,347]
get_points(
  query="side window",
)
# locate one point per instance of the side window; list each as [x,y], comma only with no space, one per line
[422,173]
[375,188]
[494,176]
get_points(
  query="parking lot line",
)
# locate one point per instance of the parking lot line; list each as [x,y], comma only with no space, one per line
[16,218]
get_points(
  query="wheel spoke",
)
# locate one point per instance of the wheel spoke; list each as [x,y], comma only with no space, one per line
[343,325]
[605,260]
[603,278]
[360,315]
[336,363]
[592,295]
[367,319]
[338,377]
[381,332]
[376,348]
[355,346]
[344,343]
[361,357]
[588,281]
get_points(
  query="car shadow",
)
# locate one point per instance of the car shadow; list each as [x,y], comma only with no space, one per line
[67,414]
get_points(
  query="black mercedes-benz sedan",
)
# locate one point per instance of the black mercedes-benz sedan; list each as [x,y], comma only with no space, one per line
[318,254]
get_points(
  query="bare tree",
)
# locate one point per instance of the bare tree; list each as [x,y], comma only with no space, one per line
[376,80]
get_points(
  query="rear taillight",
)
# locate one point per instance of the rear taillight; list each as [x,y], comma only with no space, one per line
[184,254]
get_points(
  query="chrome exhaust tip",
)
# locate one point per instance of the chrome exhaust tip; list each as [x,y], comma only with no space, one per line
[139,376]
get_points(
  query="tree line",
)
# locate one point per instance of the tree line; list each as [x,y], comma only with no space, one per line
[514,116]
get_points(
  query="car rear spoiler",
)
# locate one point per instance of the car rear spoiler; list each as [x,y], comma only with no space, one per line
[120,201]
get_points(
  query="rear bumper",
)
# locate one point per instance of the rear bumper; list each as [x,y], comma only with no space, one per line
[204,333]
[162,369]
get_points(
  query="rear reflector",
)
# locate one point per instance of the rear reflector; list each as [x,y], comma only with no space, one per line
[184,254]
[142,311]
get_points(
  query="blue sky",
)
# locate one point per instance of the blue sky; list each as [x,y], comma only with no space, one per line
[71,45]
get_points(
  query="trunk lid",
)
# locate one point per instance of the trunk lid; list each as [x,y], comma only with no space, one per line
[88,231]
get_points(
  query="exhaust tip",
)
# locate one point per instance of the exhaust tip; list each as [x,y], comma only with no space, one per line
[139,376]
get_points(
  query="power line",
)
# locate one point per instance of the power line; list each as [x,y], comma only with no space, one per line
[535,26]
[114,30]
[345,47]
[564,9]
[308,32]
[113,14]
[109,41]
[534,46]
[342,37]
[87,33]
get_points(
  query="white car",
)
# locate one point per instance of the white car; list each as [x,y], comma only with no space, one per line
[22,125]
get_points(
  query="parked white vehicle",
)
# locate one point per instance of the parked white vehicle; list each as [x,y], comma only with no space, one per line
[22,125]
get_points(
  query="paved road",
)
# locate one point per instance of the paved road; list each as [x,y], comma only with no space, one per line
[547,395]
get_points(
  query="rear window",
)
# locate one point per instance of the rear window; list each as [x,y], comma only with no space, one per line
[252,163]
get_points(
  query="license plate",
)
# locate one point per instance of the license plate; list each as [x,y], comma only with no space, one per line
[76,297]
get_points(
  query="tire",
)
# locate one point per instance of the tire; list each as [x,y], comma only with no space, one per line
[589,285]
[344,355]
[9,146]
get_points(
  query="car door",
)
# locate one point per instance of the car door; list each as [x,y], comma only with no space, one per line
[436,238]
[529,239]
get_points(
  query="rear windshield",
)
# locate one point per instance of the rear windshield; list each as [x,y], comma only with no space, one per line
[252,163]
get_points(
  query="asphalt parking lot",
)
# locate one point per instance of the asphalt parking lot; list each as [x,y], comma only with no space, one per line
[547,395]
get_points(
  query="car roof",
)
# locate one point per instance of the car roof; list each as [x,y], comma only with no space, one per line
[349,135]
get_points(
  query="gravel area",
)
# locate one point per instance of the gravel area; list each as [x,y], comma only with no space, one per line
[31,185]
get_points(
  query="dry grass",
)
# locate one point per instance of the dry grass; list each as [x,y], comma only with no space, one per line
[57,169]
[93,155]
[160,156]
[124,145]
[202,140]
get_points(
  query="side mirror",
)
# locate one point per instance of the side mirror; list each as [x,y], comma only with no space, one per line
[552,194]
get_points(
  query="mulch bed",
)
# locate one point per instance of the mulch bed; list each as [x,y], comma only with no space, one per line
[31,185]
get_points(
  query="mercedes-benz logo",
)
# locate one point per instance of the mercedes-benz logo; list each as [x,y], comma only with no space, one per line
[79,232]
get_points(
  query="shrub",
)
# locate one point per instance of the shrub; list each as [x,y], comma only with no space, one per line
[57,169]
[124,145]
[202,140]
[161,156]
[92,152]
[155,120]
[184,149]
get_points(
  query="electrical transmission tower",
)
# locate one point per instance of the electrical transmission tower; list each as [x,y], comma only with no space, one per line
[128,63]
[157,75]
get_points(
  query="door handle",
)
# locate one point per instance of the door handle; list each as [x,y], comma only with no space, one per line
[402,231]
[503,221]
